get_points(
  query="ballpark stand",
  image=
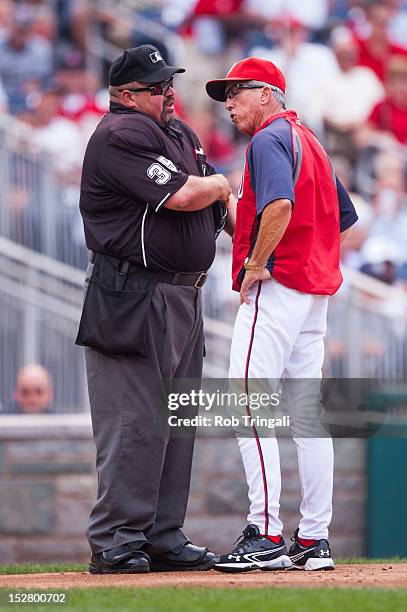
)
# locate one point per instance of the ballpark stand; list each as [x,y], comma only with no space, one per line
[39,211]
[40,306]
[38,200]
[39,310]
[367,330]
[130,21]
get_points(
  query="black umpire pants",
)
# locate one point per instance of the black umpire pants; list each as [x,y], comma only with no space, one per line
[143,465]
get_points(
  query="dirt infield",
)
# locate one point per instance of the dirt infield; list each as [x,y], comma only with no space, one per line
[385,575]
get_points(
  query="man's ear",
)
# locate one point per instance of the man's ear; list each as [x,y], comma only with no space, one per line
[128,100]
[265,95]
[126,97]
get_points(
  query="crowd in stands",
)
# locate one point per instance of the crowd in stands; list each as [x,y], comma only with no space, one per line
[345,63]
[346,67]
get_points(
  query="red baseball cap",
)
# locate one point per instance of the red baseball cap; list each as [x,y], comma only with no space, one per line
[249,69]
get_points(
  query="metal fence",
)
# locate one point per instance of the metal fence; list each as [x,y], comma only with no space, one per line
[38,203]
[39,312]
[39,210]
[367,321]
[367,330]
[40,306]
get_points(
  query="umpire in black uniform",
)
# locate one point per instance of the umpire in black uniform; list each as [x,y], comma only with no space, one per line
[150,214]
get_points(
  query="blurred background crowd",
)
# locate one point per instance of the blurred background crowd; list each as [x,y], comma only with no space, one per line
[346,67]
[345,63]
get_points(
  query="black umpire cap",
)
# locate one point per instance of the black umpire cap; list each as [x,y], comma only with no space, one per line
[143,64]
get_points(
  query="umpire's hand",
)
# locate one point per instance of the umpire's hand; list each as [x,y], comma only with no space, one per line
[225,187]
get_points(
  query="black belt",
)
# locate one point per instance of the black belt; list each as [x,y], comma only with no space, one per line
[187,279]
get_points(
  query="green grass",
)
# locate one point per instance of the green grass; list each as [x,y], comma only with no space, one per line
[371,561]
[172,599]
[39,568]
[225,600]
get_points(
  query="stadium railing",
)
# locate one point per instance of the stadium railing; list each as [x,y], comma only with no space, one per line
[39,312]
[38,202]
[40,307]
[39,210]
[367,329]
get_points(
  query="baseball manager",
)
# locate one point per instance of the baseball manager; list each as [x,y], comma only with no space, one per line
[151,214]
[291,214]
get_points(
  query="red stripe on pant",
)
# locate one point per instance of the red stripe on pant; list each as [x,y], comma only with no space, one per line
[256,435]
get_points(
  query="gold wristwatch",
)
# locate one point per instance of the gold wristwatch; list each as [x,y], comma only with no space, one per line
[254,267]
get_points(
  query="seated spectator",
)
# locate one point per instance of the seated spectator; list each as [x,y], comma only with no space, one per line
[375,47]
[387,124]
[305,65]
[24,59]
[385,249]
[312,13]
[55,134]
[82,100]
[33,392]
[351,247]
[215,23]
[44,23]
[343,113]
[390,197]
[381,259]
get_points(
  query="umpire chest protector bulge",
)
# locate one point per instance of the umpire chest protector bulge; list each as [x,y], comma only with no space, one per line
[132,167]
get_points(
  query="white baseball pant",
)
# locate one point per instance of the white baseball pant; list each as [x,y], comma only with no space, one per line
[280,334]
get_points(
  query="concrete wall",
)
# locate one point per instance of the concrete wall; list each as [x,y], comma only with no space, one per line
[48,484]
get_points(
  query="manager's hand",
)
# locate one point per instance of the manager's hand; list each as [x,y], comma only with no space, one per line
[250,278]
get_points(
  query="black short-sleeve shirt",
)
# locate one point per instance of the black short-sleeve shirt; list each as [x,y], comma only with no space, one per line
[132,166]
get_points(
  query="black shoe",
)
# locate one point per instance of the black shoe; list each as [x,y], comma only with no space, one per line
[186,557]
[124,559]
[254,552]
[314,557]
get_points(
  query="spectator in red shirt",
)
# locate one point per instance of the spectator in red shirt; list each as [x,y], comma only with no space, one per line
[387,124]
[376,49]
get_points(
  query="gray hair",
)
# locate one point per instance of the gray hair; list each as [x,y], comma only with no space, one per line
[278,94]
[116,90]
